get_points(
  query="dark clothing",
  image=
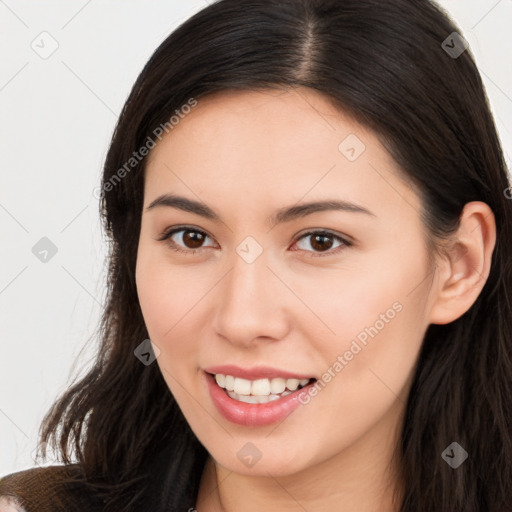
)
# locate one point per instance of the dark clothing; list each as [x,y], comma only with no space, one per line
[41,489]
[55,489]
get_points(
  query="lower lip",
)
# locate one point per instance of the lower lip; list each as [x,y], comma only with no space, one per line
[253,415]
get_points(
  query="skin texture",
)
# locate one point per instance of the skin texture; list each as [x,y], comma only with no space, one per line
[247,154]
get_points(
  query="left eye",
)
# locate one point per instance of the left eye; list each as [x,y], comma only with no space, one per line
[321,241]
[192,240]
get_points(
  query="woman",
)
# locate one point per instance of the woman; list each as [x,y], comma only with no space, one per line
[309,283]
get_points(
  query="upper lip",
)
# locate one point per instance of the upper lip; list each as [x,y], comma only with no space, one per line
[256,372]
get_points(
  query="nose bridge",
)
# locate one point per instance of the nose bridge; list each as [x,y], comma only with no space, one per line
[250,305]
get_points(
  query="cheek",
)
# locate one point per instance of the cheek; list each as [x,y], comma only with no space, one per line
[162,307]
[379,324]
[368,371]
[165,291]
[170,298]
[154,295]
[358,305]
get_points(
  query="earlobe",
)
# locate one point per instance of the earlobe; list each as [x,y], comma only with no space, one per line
[465,267]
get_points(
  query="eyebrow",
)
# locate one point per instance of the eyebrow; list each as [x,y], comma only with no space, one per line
[282,215]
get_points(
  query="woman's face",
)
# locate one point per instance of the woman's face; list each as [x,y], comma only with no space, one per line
[254,285]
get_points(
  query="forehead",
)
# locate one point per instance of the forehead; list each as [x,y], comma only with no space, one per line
[267,125]
[273,147]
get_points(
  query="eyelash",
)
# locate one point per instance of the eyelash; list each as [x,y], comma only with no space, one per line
[165,237]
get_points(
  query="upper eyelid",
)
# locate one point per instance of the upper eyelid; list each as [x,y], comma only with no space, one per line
[172,231]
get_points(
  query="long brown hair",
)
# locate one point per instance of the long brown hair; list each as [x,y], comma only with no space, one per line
[383,62]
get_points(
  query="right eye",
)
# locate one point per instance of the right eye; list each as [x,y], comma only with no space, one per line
[191,238]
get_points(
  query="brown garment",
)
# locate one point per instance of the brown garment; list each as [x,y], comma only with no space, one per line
[44,489]
[169,484]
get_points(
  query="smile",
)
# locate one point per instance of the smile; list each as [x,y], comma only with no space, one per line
[259,391]
[258,402]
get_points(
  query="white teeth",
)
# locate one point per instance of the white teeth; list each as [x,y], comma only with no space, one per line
[230,382]
[242,386]
[256,399]
[259,390]
[292,384]
[260,387]
[277,386]
[248,399]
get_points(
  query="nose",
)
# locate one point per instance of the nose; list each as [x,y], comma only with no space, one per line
[252,304]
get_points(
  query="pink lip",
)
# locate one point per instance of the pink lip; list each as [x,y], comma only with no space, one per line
[259,372]
[252,415]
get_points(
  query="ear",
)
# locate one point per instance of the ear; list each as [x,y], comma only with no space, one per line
[464,269]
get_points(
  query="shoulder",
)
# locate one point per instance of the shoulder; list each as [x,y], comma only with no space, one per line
[46,489]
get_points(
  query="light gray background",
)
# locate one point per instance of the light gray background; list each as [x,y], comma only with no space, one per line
[58,114]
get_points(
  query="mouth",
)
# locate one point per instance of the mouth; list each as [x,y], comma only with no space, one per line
[259,391]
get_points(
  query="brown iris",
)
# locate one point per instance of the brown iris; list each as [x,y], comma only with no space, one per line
[192,239]
[318,242]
